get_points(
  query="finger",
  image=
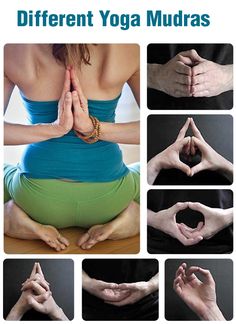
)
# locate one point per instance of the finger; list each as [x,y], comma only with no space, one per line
[39,307]
[199,79]
[200,144]
[183,167]
[42,298]
[199,88]
[183,79]
[40,281]
[202,67]
[126,286]
[76,105]
[123,302]
[201,93]
[208,279]
[178,281]
[183,65]
[184,129]
[67,107]
[193,55]
[34,270]
[109,285]
[196,131]
[190,273]
[63,240]
[199,226]
[182,90]
[188,241]
[39,270]
[197,206]
[77,86]
[66,86]
[37,288]
[179,206]
[180,270]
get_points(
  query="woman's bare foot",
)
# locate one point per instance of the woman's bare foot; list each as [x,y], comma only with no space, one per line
[126,224]
[18,224]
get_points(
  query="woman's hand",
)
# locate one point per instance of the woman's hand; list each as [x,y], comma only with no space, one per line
[165,221]
[64,122]
[199,295]
[81,121]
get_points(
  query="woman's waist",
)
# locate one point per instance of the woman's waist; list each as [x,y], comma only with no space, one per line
[70,161]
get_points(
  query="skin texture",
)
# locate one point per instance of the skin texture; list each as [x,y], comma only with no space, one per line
[189,75]
[169,158]
[215,220]
[36,294]
[30,68]
[199,295]
[120,294]
[165,221]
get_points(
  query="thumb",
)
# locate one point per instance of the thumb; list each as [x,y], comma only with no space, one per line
[197,206]
[43,297]
[195,57]
[179,206]
[183,167]
[197,168]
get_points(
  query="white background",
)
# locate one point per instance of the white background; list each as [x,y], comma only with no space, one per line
[220,31]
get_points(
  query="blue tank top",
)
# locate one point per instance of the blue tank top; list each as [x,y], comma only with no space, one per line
[69,157]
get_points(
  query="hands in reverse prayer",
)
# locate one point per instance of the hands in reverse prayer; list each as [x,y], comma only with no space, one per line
[189,147]
[73,107]
[215,219]
[36,294]
[189,75]
[120,294]
[199,295]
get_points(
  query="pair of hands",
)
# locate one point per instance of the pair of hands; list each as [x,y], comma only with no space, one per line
[190,147]
[120,294]
[215,219]
[36,294]
[73,110]
[189,75]
[199,295]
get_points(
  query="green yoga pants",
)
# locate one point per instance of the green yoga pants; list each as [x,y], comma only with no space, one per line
[64,203]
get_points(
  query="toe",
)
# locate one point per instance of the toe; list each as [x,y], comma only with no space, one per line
[63,240]
[88,245]
[84,238]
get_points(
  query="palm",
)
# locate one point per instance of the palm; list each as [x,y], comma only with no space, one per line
[197,294]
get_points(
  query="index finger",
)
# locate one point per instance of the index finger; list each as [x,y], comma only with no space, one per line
[66,85]
[77,86]
[184,129]
[34,270]
[39,270]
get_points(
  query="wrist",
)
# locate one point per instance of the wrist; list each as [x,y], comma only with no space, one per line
[151,217]
[228,216]
[55,130]
[228,79]
[154,166]
[57,314]
[212,313]
[17,311]
[153,72]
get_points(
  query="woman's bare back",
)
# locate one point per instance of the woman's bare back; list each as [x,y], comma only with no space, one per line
[40,77]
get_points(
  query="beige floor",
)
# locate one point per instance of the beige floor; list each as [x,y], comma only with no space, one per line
[17,246]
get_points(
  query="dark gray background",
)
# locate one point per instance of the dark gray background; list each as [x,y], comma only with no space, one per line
[59,273]
[222,272]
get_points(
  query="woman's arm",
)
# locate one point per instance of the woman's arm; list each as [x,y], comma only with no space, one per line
[17,134]
[123,133]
